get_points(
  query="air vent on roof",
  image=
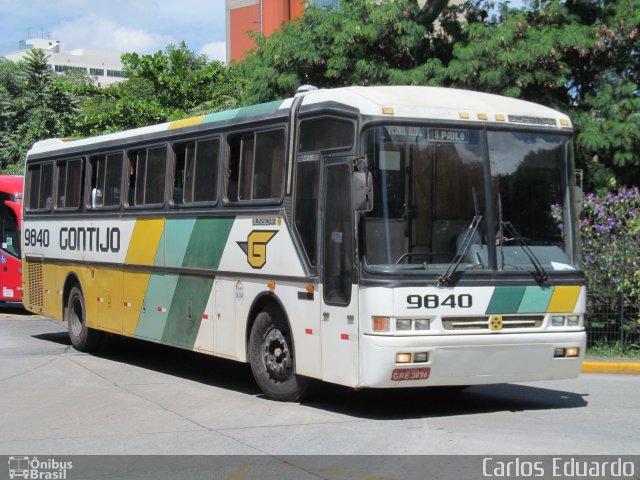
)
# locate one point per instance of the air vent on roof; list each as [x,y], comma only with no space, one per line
[532,120]
[306,88]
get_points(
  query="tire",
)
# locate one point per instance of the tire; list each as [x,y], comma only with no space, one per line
[272,358]
[82,338]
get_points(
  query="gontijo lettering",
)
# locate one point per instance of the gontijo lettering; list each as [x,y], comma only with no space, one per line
[90,239]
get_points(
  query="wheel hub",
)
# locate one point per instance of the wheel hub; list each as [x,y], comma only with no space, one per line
[277,357]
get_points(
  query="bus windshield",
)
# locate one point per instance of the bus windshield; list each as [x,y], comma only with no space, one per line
[430,207]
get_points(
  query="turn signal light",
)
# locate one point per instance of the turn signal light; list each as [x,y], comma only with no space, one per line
[380,324]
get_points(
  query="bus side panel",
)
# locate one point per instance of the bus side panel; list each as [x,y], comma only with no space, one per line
[146,248]
[340,341]
[108,285]
[302,309]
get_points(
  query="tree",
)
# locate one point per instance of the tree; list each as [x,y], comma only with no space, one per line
[35,106]
[364,43]
[168,85]
[580,56]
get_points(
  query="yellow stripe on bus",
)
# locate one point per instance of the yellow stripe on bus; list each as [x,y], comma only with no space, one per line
[187,122]
[142,251]
[564,299]
[144,241]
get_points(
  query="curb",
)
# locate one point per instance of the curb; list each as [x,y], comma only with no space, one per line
[627,368]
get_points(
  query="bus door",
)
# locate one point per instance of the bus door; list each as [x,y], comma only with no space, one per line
[339,322]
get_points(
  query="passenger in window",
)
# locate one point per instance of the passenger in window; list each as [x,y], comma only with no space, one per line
[132,178]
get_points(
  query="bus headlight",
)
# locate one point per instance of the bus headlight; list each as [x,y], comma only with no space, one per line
[403,358]
[572,352]
[573,321]
[422,324]
[557,321]
[403,324]
[421,357]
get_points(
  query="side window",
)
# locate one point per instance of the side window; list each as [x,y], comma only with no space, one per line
[326,133]
[182,153]
[147,172]
[69,186]
[268,168]
[256,166]
[105,180]
[201,171]
[338,236]
[40,187]
[246,167]
[306,203]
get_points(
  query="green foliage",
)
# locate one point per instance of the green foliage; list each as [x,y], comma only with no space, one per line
[165,86]
[35,105]
[364,43]
[579,56]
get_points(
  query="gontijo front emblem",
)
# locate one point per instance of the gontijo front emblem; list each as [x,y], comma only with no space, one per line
[495,323]
[256,247]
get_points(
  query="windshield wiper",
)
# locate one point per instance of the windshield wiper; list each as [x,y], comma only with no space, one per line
[541,273]
[467,240]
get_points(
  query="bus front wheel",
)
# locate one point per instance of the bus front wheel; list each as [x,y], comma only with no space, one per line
[82,337]
[271,357]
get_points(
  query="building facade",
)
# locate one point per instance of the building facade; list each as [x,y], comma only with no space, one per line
[104,66]
[262,17]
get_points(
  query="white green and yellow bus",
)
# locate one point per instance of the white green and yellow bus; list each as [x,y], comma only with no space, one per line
[371,237]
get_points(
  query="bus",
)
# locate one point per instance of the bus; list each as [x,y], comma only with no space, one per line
[10,220]
[371,237]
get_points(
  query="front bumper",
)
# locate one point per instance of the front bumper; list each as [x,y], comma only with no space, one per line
[471,359]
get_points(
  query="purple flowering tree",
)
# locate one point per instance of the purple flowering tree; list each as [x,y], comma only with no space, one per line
[610,235]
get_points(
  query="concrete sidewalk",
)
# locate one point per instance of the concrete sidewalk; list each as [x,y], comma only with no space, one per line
[628,366]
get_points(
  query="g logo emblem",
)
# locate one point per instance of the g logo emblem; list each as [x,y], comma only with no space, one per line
[495,323]
[256,247]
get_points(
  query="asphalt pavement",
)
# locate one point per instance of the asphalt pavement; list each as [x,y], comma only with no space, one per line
[141,398]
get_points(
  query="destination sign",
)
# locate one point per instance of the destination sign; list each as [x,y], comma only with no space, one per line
[448,135]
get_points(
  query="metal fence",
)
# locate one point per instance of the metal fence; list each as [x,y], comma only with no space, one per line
[612,320]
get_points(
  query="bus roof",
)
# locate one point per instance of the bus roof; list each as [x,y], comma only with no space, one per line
[394,102]
[439,103]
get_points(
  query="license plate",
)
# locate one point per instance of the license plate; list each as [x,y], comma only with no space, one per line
[418,373]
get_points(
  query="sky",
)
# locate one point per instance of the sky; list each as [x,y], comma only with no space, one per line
[142,26]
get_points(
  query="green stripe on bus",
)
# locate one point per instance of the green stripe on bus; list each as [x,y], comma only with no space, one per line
[535,300]
[208,239]
[155,311]
[204,250]
[187,307]
[177,234]
[219,116]
[251,110]
[505,300]
[260,109]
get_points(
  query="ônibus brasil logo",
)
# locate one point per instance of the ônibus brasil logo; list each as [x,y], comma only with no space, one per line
[35,469]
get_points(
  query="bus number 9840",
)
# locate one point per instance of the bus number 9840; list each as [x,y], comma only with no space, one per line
[464,300]
[36,238]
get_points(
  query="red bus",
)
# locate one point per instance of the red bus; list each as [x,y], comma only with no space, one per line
[10,225]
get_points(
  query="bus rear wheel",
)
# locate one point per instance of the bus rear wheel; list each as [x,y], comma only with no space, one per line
[82,337]
[271,357]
